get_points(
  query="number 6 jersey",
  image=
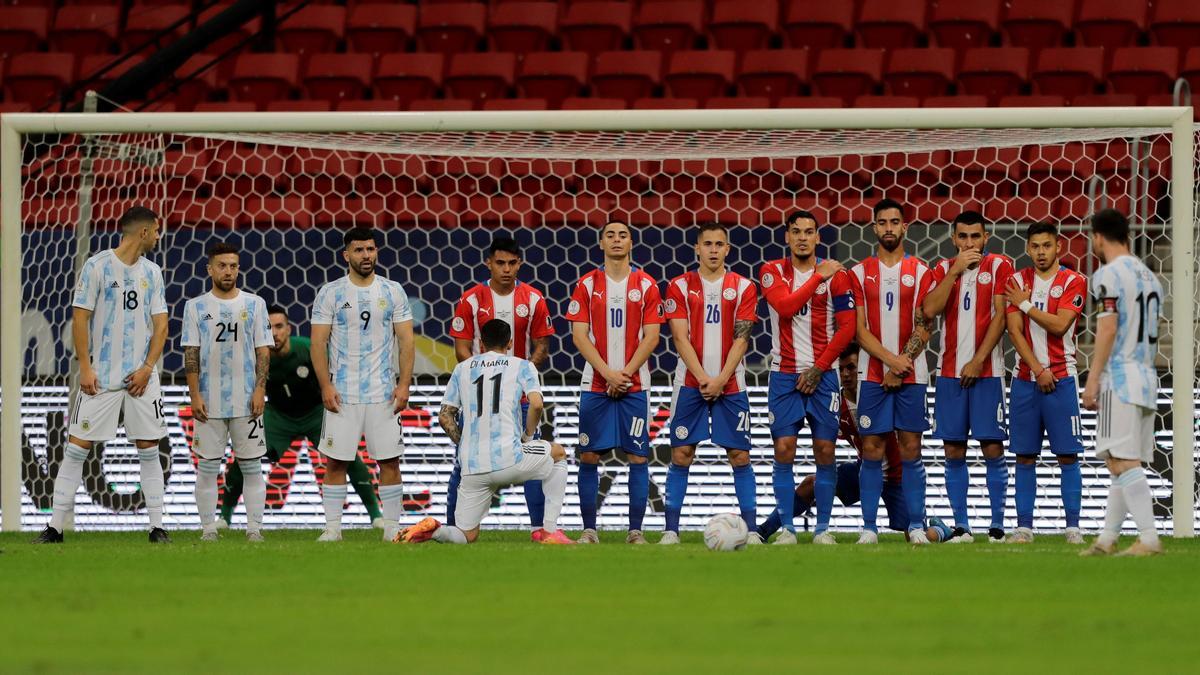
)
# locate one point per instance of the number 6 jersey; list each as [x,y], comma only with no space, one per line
[227,333]
[362,344]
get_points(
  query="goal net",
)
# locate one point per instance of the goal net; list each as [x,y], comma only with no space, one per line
[439,187]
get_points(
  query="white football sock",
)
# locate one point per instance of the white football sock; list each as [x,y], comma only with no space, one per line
[391,500]
[66,483]
[254,492]
[333,497]
[152,484]
[207,471]
[1114,515]
[554,487]
[449,534]
[1140,503]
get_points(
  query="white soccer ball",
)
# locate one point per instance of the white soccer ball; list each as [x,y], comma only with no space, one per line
[725,532]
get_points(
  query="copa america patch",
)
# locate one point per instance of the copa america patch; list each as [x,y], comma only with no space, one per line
[768,280]
[671,306]
[459,324]
[770,417]
[864,422]
[522,311]
[681,433]
[908,280]
[302,371]
[1056,292]
[584,440]
[573,308]
[985,278]
[1078,302]
[729,294]
[822,288]
[635,295]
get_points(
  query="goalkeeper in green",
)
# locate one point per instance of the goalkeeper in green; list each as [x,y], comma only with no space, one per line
[294,410]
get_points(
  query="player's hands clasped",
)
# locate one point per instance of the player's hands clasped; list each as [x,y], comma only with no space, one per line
[138,380]
[1046,381]
[965,260]
[258,401]
[200,408]
[399,398]
[618,382]
[892,381]
[970,373]
[828,268]
[901,365]
[1015,293]
[88,382]
[330,398]
[711,388]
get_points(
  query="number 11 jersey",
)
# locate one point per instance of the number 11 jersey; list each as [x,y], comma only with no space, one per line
[487,390]
[362,341]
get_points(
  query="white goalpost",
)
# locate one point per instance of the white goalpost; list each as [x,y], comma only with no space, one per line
[439,184]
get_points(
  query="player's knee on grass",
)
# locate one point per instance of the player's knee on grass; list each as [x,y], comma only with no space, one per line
[955,450]
[807,488]
[785,450]
[471,535]
[823,451]
[683,455]
[738,457]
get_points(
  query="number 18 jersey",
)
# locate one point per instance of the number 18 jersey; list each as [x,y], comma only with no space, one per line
[487,390]
[362,344]
[227,333]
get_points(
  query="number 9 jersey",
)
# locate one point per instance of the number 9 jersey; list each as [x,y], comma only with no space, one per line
[362,342]
[891,296]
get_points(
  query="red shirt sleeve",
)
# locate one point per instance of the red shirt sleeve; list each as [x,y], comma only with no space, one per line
[462,326]
[856,290]
[652,306]
[1011,307]
[540,325]
[782,299]
[939,272]
[1075,294]
[924,286]
[676,305]
[841,288]
[577,311]
[747,309]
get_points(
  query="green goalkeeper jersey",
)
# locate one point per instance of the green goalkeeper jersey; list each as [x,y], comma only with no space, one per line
[292,387]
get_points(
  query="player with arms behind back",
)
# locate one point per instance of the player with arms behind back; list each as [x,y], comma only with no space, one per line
[1122,382]
[889,290]
[615,314]
[811,303]
[119,330]
[969,399]
[362,340]
[495,442]
[225,352]
[712,313]
[1044,302]
[524,309]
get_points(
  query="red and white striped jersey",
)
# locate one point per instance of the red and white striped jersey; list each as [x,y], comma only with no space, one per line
[524,310]
[969,310]
[1065,290]
[891,297]
[616,313]
[806,332]
[848,424]
[710,309]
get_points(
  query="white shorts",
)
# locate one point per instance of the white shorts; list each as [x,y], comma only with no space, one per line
[1124,430]
[341,432]
[95,418]
[245,434]
[475,490]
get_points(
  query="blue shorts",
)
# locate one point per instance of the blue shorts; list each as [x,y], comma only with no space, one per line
[1056,414]
[728,416]
[607,423]
[788,408]
[881,412]
[976,412]
[893,496]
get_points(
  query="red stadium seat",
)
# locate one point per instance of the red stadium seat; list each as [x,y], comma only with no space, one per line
[196,81]
[313,29]
[595,27]
[320,171]
[262,78]
[38,78]
[1191,69]
[666,104]
[553,76]
[441,105]
[870,101]
[1110,23]
[738,102]
[339,211]
[847,73]
[577,103]
[889,24]
[336,77]
[85,29]
[1023,210]
[479,77]
[1038,23]
[499,211]
[960,24]
[522,27]
[230,41]
[407,77]
[14,108]
[742,26]
[91,65]
[426,211]
[226,107]
[668,26]
[626,75]
[982,173]
[376,28]
[1104,100]
[299,106]
[773,73]
[247,169]
[1054,170]
[960,101]
[147,23]
[1176,23]
[1068,71]
[994,72]
[700,74]
[23,29]
[1039,101]
[575,211]
[374,105]
[819,24]
[451,28]
[1143,71]
[811,102]
[920,72]
[272,211]
[1169,100]
[515,104]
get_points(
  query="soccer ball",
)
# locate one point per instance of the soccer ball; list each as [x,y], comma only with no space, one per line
[725,532]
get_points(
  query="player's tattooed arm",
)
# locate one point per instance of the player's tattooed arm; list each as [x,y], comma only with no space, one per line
[191,360]
[920,335]
[262,362]
[191,366]
[742,329]
[448,418]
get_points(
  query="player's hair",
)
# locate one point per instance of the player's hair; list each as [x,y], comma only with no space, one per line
[850,350]
[359,234]
[221,248]
[506,245]
[277,309]
[495,334]
[1112,225]
[1041,228]
[135,218]
[797,215]
[968,218]
[710,226]
[609,221]
[885,204]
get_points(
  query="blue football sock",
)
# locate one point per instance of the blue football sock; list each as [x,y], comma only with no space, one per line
[912,482]
[870,490]
[535,501]
[943,530]
[677,484]
[452,493]
[743,487]
[957,482]
[1072,491]
[997,485]
[639,493]
[589,493]
[1026,493]
[783,483]
[823,490]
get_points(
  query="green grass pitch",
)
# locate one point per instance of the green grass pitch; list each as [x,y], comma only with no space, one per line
[110,602]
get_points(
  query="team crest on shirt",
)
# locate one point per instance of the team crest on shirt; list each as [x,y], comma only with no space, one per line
[458,323]
[583,439]
[522,311]
[908,280]
[1056,292]
[383,303]
[329,442]
[86,424]
[729,294]
[245,315]
[671,306]
[573,307]
[145,283]
[681,433]
[985,278]
[864,422]
[635,295]
[1078,302]
[302,372]
[768,280]
[822,288]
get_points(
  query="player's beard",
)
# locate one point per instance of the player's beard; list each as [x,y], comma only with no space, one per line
[224,286]
[890,245]
[364,268]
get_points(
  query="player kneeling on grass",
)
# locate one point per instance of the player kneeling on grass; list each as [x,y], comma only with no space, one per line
[494,449]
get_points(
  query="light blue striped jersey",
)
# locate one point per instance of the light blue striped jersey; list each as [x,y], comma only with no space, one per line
[227,333]
[362,341]
[122,299]
[1126,287]
[487,390]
